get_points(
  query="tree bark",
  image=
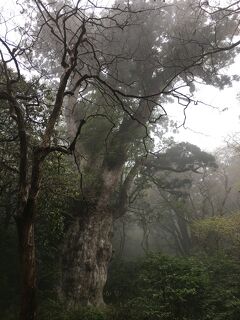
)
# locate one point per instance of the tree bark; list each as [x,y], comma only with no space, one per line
[87,248]
[25,228]
[86,254]
[25,221]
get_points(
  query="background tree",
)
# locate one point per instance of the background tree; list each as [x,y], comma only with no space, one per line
[159,196]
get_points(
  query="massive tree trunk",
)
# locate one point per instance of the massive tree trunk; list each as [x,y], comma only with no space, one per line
[88,247]
[87,252]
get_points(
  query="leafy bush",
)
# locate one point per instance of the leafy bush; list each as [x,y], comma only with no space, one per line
[220,233]
[222,298]
[122,281]
[169,288]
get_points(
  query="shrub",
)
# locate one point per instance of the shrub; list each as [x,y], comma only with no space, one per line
[170,288]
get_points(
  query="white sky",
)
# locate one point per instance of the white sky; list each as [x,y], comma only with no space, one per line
[205,126]
[209,127]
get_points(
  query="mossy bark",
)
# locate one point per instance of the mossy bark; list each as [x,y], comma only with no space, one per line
[87,248]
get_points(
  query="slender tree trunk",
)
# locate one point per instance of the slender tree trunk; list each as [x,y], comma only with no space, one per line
[25,226]
[182,233]
[145,239]
[122,239]
[28,269]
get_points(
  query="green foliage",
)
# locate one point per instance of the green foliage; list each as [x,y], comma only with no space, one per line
[222,297]
[60,187]
[175,284]
[218,233]
[122,281]
[169,288]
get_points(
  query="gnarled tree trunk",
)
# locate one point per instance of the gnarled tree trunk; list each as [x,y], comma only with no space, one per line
[88,248]
[87,252]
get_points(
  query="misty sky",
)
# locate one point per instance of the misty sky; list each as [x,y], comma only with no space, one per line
[210,126]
